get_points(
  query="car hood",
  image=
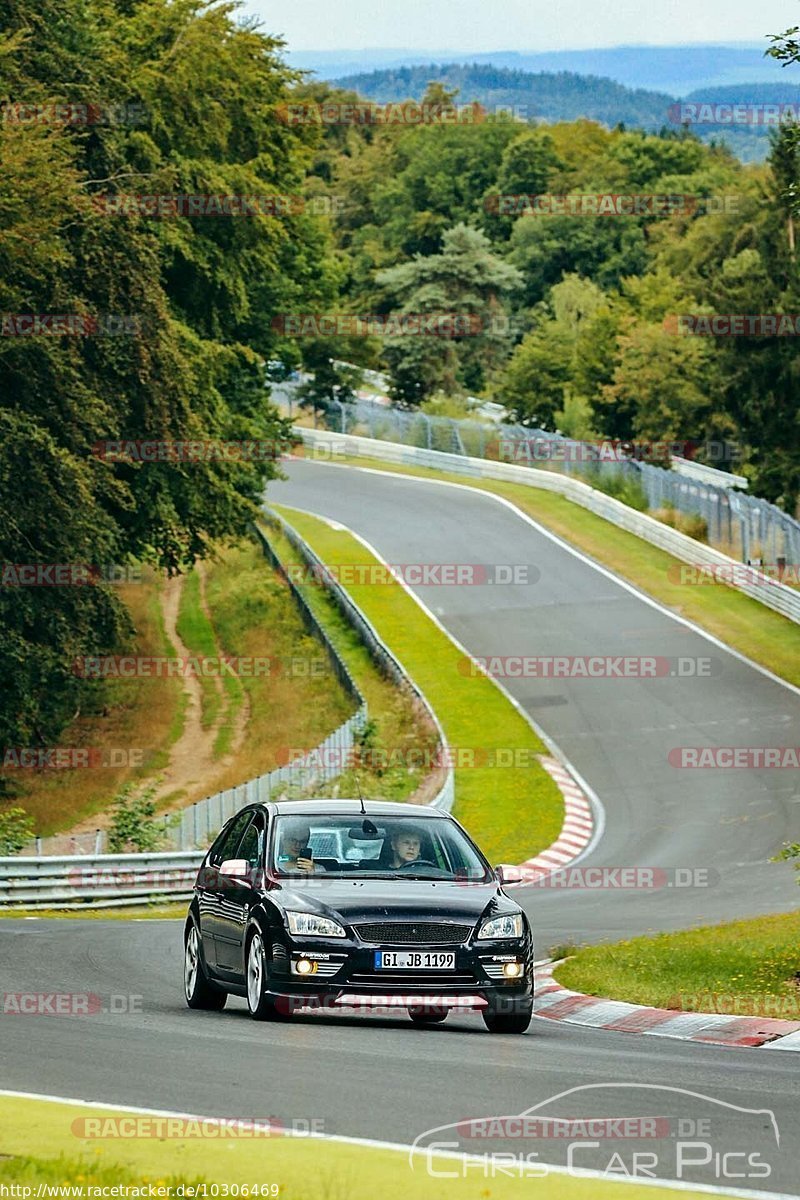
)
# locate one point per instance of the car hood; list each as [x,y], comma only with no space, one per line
[354,900]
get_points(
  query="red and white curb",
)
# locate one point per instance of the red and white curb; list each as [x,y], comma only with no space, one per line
[576,832]
[557,1003]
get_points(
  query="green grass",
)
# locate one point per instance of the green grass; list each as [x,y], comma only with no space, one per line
[138,714]
[254,618]
[154,912]
[394,719]
[514,811]
[83,1173]
[747,967]
[39,1145]
[749,627]
[197,633]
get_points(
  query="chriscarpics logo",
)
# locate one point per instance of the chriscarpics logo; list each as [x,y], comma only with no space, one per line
[611,1130]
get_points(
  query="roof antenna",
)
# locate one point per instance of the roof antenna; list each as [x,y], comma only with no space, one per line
[368,828]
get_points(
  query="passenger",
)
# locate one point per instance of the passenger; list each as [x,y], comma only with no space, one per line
[295,854]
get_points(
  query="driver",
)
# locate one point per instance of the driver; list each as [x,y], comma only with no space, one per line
[406,843]
[294,842]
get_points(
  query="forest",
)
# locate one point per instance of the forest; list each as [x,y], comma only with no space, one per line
[161,220]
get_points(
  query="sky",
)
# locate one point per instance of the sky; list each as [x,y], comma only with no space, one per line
[483,25]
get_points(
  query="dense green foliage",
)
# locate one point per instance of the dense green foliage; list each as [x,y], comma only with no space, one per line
[186,97]
[575,312]
[590,311]
[567,96]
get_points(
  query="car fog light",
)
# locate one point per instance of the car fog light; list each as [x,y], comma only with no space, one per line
[513,970]
[304,966]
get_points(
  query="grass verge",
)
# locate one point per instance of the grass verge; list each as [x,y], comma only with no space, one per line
[40,1143]
[293,696]
[750,968]
[513,811]
[135,719]
[394,720]
[749,627]
[197,634]
[143,912]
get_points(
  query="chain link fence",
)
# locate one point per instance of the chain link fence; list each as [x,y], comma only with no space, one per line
[736,523]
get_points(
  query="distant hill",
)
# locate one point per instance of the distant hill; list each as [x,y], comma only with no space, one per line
[566,96]
[673,69]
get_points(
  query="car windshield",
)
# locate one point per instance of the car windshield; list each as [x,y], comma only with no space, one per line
[378,847]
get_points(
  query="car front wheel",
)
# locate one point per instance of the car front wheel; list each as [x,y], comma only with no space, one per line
[198,991]
[262,1006]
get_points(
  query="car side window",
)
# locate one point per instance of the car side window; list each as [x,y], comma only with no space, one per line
[227,845]
[252,844]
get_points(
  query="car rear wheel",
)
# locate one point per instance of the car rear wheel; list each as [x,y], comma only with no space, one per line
[507,1022]
[260,1004]
[428,1016]
[198,991]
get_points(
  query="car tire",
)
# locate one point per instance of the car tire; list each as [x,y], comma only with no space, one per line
[507,1022]
[198,991]
[428,1016]
[260,1004]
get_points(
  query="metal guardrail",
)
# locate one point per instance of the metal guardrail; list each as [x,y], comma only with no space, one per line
[379,651]
[735,520]
[110,880]
[97,881]
[750,581]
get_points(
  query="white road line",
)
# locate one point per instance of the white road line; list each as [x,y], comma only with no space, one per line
[579,554]
[592,797]
[678,1185]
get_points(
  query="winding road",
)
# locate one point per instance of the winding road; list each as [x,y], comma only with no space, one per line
[383,1079]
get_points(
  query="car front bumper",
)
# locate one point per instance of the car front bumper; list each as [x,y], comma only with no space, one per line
[345,976]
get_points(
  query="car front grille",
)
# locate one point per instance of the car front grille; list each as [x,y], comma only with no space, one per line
[413,933]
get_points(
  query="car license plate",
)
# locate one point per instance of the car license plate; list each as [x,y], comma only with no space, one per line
[414,960]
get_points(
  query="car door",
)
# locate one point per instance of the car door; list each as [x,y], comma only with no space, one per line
[211,884]
[237,898]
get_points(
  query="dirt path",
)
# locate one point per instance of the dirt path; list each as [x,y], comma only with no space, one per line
[192,767]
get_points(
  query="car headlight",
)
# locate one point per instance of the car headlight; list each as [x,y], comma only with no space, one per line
[310,925]
[502,927]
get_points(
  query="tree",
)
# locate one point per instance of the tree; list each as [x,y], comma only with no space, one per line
[16,830]
[466,279]
[539,380]
[198,296]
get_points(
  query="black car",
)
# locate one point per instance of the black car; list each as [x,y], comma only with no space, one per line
[369,906]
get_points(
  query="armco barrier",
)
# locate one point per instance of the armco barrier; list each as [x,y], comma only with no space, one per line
[97,881]
[751,582]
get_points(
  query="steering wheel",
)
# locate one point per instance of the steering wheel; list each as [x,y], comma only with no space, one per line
[420,862]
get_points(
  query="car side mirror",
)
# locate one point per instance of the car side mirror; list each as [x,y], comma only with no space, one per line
[237,868]
[508,874]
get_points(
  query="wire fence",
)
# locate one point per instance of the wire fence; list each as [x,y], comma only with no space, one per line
[741,525]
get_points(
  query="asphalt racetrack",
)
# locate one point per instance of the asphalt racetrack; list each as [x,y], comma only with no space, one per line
[723,1116]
